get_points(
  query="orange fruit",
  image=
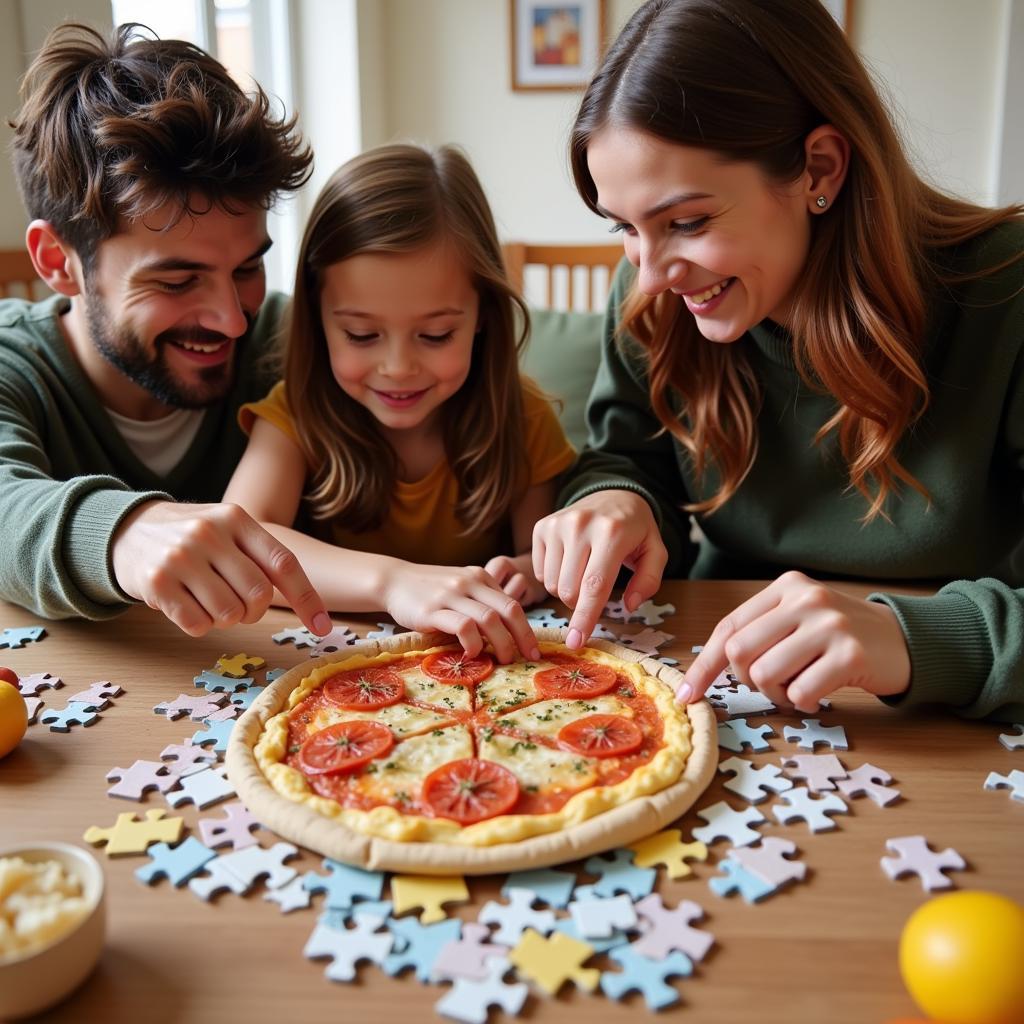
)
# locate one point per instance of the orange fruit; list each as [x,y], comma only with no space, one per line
[13,713]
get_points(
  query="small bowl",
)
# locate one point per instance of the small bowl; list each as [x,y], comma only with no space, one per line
[31,982]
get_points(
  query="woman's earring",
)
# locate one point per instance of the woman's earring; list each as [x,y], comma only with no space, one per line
[822,202]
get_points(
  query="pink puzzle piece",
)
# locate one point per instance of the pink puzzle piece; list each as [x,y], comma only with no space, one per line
[768,861]
[31,685]
[915,857]
[238,871]
[187,758]
[820,770]
[97,696]
[667,930]
[466,957]
[234,828]
[867,780]
[140,778]
[197,707]
[32,706]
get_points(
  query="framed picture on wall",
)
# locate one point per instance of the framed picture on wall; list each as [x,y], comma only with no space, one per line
[555,44]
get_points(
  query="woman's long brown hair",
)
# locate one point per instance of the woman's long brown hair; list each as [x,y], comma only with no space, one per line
[749,79]
[397,199]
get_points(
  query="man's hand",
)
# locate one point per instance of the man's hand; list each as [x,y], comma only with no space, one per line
[579,550]
[798,640]
[209,566]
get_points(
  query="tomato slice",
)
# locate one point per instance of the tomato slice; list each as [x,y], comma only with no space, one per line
[344,747]
[577,679]
[602,736]
[451,667]
[470,790]
[362,688]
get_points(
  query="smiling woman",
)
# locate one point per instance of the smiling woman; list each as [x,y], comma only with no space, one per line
[813,351]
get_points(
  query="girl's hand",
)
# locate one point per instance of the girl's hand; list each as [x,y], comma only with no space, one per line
[515,577]
[798,640]
[463,602]
[579,550]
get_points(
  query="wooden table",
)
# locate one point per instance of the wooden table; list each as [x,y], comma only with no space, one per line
[821,951]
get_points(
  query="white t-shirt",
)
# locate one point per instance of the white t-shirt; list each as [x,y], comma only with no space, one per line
[160,444]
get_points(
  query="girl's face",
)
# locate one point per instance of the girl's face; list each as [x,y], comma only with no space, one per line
[718,234]
[399,330]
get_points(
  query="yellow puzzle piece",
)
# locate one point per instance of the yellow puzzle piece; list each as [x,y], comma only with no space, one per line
[550,962]
[129,835]
[667,849]
[237,665]
[409,891]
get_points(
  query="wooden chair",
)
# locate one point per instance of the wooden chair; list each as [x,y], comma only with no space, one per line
[586,270]
[18,278]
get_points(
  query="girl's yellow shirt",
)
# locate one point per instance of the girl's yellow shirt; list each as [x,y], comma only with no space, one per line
[421,525]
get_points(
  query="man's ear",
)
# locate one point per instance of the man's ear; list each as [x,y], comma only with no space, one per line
[55,261]
[827,154]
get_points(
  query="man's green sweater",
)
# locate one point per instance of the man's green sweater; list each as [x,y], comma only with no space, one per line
[67,477]
[795,508]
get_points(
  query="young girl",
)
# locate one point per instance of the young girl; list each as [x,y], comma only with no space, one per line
[817,354]
[402,426]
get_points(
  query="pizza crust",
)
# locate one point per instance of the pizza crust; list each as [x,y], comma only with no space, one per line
[615,827]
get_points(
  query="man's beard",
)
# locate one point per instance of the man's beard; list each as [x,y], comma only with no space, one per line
[124,349]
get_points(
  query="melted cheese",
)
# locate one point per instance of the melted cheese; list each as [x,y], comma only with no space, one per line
[447,696]
[536,765]
[661,771]
[509,686]
[401,719]
[405,768]
[548,717]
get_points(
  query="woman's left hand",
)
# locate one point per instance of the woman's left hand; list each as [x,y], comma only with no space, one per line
[798,640]
[515,577]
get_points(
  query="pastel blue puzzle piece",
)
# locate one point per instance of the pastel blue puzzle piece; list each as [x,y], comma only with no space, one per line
[177,864]
[468,1000]
[736,735]
[344,885]
[736,878]
[551,887]
[364,908]
[214,682]
[620,875]
[21,635]
[73,714]
[216,733]
[275,673]
[421,944]
[243,698]
[646,976]
[348,947]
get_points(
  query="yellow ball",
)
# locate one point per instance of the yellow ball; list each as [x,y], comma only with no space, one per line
[13,713]
[961,957]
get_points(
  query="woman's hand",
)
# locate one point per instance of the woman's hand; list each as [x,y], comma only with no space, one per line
[465,602]
[797,640]
[515,577]
[579,550]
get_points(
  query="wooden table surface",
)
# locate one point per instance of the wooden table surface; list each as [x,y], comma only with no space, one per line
[824,950]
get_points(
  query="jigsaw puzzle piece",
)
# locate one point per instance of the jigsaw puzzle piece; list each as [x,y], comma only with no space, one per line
[813,733]
[239,870]
[177,864]
[740,701]
[217,732]
[1010,740]
[384,631]
[914,856]
[668,850]
[867,780]
[186,758]
[214,682]
[300,637]
[338,637]
[242,699]
[600,917]
[516,916]
[72,714]
[620,874]
[466,957]
[202,788]
[725,823]
[753,783]
[31,685]
[768,861]
[129,835]
[239,665]
[18,637]
[646,976]
[547,885]
[1014,782]
[427,892]
[469,1000]
[818,770]
[737,734]
[344,885]
[550,962]
[97,696]
[292,896]
[812,808]
[140,778]
[547,618]
[736,878]
[32,706]
[197,708]
[348,946]
[665,930]
[646,641]
[422,943]
[234,829]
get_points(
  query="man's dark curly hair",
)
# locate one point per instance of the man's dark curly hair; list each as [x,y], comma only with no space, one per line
[108,132]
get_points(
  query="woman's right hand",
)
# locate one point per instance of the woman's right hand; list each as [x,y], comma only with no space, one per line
[466,603]
[579,550]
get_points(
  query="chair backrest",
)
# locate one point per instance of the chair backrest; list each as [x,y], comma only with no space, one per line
[18,278]
[562,276]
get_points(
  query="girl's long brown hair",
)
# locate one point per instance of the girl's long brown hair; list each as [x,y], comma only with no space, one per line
[749,79]
[397,199]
